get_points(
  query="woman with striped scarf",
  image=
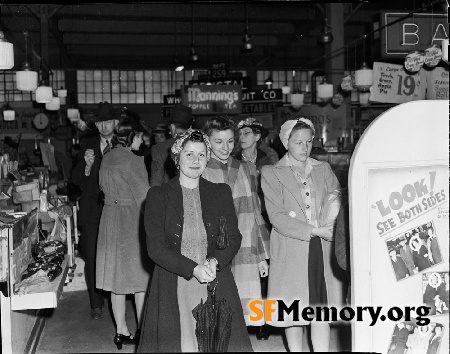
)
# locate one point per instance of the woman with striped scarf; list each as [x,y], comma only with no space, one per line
[250,262]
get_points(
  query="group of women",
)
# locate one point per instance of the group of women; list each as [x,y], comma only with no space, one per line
[184,228]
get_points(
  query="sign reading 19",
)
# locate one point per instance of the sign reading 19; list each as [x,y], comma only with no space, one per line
[408,82]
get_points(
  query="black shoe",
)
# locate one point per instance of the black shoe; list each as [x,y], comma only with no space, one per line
[121,339]
[96,313]
[263,333]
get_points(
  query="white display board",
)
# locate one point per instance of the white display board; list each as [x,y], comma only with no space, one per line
[399,208]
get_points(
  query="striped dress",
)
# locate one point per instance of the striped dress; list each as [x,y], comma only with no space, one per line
[241,177]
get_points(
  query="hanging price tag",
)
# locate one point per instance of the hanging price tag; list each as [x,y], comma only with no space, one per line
[392,84]
[414,61]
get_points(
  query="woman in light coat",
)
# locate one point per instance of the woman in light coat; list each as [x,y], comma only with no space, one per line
[303,264]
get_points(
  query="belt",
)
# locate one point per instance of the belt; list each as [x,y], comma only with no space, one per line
[110,200]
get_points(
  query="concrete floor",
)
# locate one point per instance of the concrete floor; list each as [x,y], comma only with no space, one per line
[69,328]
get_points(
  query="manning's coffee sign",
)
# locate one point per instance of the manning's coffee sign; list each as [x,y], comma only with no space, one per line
[408,33]
[212,99]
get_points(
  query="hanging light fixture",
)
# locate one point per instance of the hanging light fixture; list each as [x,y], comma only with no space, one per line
[247,46]
[62,92]
[6,53]
[193,56]
[54,104]
[44,93]
[326,36]
[269,80]
[364,78]
[297,99]
[177,66]
[8,112]
[286,89]
[325,91]
[26,79]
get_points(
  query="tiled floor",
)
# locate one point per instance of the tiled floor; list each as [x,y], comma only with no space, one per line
[69,328]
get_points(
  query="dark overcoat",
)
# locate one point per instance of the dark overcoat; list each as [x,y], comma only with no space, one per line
[163,168]
[164,226]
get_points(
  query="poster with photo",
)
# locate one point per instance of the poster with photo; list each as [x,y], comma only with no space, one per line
[412,339]
[414,250]
[435,286]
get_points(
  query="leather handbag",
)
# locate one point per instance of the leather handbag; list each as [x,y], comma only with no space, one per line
[222,237]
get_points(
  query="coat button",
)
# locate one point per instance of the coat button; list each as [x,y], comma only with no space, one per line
[116,202]
[307,193]
[304,183]
[307,207]
[208,224]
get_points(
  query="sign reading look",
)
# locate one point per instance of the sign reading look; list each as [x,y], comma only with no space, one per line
[212,99]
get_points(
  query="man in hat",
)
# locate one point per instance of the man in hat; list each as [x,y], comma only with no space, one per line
[163,167]
[85,175]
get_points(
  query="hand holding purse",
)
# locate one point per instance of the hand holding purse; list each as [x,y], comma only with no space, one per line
[222,237]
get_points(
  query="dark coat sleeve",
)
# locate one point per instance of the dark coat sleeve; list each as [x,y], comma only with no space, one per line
[78,176]
[157,169]
[159,247]
[223,195]
[341,238]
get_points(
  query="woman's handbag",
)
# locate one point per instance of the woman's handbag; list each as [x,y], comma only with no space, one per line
[222,238]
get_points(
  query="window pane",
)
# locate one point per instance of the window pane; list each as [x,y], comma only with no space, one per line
[123,98]
[115,75]
[165,87]
[148,75]
[115,86]
[148,87]
[139,75]
[89,75]
[164,75]
[106,75]
[139,86]
[98,86]
[97,75]
[123,86]
[89,87]
[90,98]
[156,87]
[132,98]
[156,75]
[148,98]
[106,87]
[131,86]
[131,75]
[123,76]
[140,98]
[156,98]
[107,97]
[115,98]
[81,75]
[81,87]
[98,97]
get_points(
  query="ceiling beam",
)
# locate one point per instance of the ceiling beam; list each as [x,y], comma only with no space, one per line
[60,42]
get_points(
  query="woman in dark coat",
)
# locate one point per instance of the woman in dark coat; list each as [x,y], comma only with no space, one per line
[122,266]
[182,224]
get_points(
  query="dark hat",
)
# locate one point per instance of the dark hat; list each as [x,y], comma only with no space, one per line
[105,111]
[160,128]
[254,125]
[135,122]
[181,114]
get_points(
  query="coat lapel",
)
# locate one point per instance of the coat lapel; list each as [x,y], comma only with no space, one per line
[176,197]
[287,179]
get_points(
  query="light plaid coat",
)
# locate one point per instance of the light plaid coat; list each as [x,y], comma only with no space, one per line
[241,177]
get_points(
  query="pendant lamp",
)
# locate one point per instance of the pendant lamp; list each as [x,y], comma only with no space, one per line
[54,104]
[26,79]
[247,46]
[62,92]
[297,99]
[44,94]
[325,91]
[8,113]
[269,80]
[6,53]
[364,78]
[364,98]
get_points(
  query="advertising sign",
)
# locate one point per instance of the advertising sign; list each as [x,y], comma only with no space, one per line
[399,238]
[415,32]
[392,84]
[437,84]
[212,99]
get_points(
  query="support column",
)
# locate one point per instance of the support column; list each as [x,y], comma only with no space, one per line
[44,18]
[335,65]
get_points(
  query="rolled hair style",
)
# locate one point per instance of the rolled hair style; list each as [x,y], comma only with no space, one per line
[219,123]
[124,133]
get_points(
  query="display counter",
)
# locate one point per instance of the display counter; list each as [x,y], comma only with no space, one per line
[20,310]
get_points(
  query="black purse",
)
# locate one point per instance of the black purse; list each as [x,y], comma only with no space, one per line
[222,237]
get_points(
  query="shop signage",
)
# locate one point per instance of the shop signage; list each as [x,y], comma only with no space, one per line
[171,99]
[260,107]
[262,95]
[212,99]
[244,81]
[392,84]
[437,84]
[219,70]
[416,32]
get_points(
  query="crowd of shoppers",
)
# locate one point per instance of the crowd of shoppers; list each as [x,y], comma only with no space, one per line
[157,236]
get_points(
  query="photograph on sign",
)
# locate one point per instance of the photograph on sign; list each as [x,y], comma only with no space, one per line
[413,251]
[412,339]
[435,286]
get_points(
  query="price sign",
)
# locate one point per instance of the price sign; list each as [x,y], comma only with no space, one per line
[437,84]
[392,84]
[219,71]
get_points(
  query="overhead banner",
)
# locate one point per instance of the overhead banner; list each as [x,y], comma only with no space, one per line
[392,84]
[437,84]
[212,99]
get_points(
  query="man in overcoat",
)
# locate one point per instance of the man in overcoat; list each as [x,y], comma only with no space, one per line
[163,168]
[85,175]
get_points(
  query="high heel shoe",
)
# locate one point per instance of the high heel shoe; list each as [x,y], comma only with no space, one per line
[121,339]
[263,332]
